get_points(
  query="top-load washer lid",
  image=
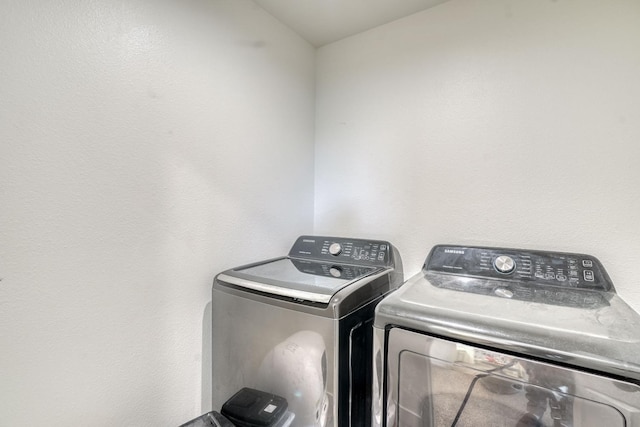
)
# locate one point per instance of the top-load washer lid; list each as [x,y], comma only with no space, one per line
[299,279]
[316,269]
[554,306]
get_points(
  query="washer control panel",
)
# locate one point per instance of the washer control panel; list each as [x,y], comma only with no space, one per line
[343,250]
[565,270]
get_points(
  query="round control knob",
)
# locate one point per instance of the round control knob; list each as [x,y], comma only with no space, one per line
[335,249]
[504,264]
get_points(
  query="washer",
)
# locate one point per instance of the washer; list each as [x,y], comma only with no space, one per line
[300,326]
[506,337]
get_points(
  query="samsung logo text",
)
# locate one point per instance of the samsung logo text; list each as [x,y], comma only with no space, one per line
[453,251]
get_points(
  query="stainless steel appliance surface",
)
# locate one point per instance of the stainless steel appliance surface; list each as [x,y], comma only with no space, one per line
[300,326]
[506,337]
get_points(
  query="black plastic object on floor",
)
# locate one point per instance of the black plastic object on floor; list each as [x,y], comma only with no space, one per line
[210,419]
[255,408]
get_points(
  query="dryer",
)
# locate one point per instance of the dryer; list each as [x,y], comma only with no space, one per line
[506,337]
[300,326]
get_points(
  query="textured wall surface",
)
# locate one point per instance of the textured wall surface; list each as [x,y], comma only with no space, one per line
[502,123]
[144,147]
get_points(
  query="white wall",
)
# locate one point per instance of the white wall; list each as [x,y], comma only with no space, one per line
[506,123]
[144,147]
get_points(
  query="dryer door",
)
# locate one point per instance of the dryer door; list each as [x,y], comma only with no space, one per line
[436,382]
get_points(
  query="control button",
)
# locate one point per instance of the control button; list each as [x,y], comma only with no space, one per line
[502,292]
[588,275]
[335,271]
[550,276]
[561,277]
[587,263]
[335,249]
[539,275]
[504,264]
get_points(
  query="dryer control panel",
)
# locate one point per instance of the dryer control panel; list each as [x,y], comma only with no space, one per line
[565,270]
[337,249]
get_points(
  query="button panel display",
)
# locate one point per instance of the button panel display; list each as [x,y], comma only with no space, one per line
[336,249]
[535,267]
